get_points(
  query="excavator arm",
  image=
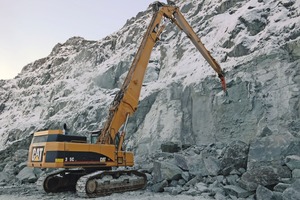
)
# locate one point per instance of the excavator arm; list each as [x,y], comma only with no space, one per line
[126,101]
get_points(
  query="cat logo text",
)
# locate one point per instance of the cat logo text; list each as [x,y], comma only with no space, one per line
[37,154]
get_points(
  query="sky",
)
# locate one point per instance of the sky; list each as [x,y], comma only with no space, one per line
[30,29]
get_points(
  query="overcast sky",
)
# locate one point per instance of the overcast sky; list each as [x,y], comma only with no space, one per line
[31,28]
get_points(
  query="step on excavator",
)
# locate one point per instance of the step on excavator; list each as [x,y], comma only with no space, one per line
[92,168]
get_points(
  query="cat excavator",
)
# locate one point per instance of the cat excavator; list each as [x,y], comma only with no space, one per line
[100,167]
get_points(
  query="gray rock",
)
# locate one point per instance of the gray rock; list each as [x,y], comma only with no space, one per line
[186,176]
[287,3]
[170,147]
[216,186]
[293,192]
[236,191]
[268,150]
[234,157]
[280,187]
[293,162]
[232,179]
[264,175]
[27,175]
[165,171]
[159,187]
[220,178]
[296,174]
[254,25]
[192,192]
[20,155]
[4,177]
[293,148]
[181,162]
[277,195]
[265,132]
[173,190]
[220,196]
[22,165]
[173,183]
[263,193]
[201,187]
[196,165]
[212,165]
[10,168]
[194,180]
[181,182]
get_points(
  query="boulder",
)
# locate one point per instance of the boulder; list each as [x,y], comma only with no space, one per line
[10,168]
[293,148]
[293,192]
[234,156]
[27,175]
[165,171]
[296,174]
[159,187]
[268,150]
[4,178]
[293,162]
[170,147]
[263,193]
[20,155]
[181,162]
[201,187]
[196,165]
[280,187]
[212,165]
[264,175]
[237,191]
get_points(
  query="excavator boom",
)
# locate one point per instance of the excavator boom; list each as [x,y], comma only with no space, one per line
[126,101]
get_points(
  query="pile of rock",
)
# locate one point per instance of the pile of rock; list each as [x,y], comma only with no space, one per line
[267,168]
[13,167]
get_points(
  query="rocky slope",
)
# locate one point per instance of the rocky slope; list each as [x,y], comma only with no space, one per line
[256,42]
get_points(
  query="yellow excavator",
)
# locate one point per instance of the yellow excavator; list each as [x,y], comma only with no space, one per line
[86,167]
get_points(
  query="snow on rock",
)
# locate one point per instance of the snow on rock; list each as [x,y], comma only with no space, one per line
[257,43]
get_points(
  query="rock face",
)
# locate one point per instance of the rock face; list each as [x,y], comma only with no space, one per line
[255,130]
[258,49]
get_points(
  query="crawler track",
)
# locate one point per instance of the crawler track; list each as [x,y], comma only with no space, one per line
[60,180]
[103,183]
[99,183]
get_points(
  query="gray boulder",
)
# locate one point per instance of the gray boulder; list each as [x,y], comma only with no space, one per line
[296,174]
[292,193]
[10,168]
[20,155]
[268,150]
[212,165]
[293,148]
[4,178]
[293,162]
[280,187]
[234,157]
[181,162]
[264,175]
[170,147]
[236,191]
[159,187]
[165,171]
[28,175]
[263,193]
[196,165]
